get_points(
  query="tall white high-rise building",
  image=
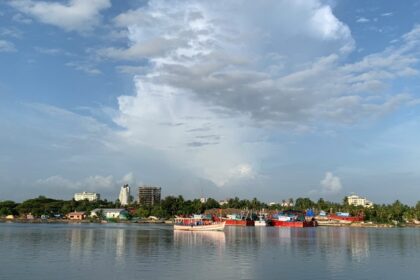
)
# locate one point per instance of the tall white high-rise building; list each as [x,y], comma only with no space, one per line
[124,195]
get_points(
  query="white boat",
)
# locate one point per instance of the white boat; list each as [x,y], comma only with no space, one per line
[198,223]
[261,222]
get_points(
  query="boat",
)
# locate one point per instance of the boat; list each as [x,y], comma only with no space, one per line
[344,217]
[262,221]
[199,223]
[238,220]
[291,218]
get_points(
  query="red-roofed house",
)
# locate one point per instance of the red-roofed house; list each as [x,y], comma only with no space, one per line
[76,215]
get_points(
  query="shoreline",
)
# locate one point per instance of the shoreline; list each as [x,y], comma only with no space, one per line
[58,221]
[169,222]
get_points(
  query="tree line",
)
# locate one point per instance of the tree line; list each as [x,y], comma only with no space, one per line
[177,205]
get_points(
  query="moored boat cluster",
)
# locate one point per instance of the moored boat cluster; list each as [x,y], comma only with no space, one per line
[288,218]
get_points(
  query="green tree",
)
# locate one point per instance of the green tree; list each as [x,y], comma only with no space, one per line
[211,204]
[143,212]
[8,207]
[304,203]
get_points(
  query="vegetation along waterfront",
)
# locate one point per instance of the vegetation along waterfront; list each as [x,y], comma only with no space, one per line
[396,213]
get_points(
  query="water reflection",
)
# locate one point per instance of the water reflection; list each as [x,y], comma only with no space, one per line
[120,245]
[158,252]
[204,238]
[341,247]
[81,242]
[359,245]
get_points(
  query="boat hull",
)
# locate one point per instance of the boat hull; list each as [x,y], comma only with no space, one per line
[260,223]
[346,219]
[241,223]
[211,227]
[295,224]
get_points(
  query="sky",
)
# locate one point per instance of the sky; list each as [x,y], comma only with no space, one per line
[270,99]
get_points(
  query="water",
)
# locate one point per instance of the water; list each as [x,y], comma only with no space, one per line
[118,251]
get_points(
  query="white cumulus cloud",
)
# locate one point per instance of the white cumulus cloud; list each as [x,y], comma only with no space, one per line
[75,15]
[331,184]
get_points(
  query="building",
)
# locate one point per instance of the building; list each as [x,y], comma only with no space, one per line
[359,201]
[110,213]
[86,195]
[124,196]
[286,203]
[223,202]
[203,199]
[149,196]
[76,216]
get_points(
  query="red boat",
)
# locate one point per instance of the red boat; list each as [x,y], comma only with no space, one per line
[345,217]
[297,224]
[292,218]
[245,223]
[237,220]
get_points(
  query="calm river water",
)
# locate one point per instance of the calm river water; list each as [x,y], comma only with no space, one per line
[116,251]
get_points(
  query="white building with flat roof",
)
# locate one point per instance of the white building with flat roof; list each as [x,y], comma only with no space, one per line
[86,195]
[359,201]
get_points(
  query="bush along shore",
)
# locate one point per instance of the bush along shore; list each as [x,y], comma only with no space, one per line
[48,210]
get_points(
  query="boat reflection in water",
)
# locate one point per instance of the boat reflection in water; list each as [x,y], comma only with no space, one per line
[200,238]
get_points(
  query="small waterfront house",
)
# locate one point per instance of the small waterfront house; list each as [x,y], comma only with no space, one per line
[110,213]
[76,216]
[10,217]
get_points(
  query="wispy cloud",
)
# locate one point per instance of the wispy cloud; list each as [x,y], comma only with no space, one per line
[86,67]
[21,19]
[387,14]
[95,183]
[362,20]
[6,46]
[12,32]
[52,51]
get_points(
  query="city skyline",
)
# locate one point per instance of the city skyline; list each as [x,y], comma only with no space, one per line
[205,98]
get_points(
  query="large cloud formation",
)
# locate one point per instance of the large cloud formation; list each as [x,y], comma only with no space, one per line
[218,82]
[211,73]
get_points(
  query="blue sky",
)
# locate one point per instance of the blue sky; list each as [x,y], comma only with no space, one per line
[275,100]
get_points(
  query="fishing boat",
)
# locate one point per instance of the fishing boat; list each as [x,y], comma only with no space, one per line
[238,220]
[291,218]
[262,221]
[199,223]
[344,217]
